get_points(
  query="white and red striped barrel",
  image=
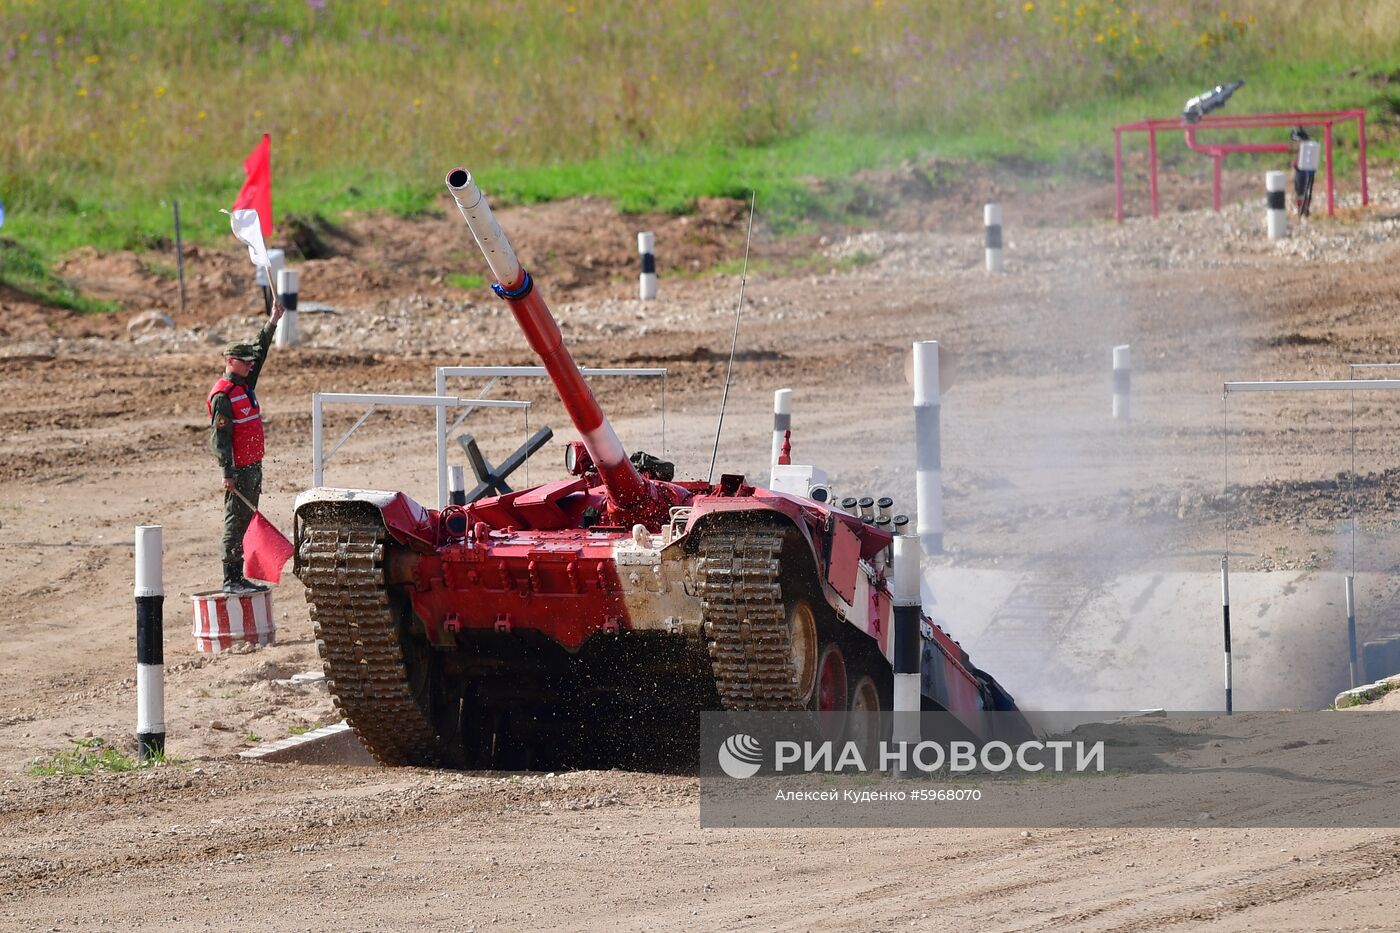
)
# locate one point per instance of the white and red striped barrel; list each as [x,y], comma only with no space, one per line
[223,620]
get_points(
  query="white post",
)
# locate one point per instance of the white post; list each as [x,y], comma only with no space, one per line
[457,488]
[1274,183]
[1122,381]
[928,464]
[906,655]
[440,425]
[646,245]
[991,219]
[317,442]
[150,642]
[782,421]
[288,284]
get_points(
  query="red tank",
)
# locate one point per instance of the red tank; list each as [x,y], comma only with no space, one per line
[585,621]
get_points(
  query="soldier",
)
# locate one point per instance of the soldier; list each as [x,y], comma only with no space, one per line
[236,438]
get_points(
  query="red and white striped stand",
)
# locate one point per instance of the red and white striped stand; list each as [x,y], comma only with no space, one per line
[223,620]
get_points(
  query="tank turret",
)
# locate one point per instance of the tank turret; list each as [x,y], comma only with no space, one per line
[632,498]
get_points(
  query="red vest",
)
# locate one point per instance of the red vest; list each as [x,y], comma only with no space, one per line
[247,422]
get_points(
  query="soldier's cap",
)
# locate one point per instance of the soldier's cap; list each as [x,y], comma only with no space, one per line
[242,351]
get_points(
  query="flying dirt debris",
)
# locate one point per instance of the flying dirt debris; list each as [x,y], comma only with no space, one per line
[583,622]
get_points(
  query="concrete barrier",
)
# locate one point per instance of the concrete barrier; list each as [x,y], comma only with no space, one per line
[1366,693]
[330,745]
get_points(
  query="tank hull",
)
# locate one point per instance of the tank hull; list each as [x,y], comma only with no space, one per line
[428,636]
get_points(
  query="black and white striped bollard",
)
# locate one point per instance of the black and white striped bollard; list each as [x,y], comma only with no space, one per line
[1122,382]
[646,245]
[1225,606]
[928,456]
[991,219]
[1274,184]
[907,639]
[150,647]
[288,284]
[457,486]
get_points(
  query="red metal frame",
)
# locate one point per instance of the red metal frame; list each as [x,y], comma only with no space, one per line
[1327,119]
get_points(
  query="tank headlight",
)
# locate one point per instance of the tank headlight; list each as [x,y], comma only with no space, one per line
[576,459]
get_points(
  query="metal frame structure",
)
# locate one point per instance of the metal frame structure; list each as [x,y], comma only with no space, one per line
[1316,385]
[1306,385]
[1218,152]
[496,373]
[319,458]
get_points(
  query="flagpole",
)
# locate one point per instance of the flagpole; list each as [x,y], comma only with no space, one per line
[251,506]
[179,257]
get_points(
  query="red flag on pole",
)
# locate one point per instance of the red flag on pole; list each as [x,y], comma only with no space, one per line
[257,189]
[265,550]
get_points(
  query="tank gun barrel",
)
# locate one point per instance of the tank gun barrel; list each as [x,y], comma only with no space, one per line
[627,490]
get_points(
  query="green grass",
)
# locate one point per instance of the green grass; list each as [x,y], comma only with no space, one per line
[114,110]
[298,730]
[1369,696]
[89,757]
[24,269]
[466,282]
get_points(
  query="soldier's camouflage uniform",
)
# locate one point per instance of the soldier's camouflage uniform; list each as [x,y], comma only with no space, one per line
[248,478]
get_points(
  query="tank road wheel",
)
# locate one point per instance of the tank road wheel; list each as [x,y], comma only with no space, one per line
[441,698]
[866,723]
[802,635]
[831,696]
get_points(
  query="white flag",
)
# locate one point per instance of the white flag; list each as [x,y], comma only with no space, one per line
[246,227]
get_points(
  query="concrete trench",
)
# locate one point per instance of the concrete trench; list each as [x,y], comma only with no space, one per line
[1154,640]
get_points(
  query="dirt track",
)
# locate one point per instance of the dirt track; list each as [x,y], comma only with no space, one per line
[104,430]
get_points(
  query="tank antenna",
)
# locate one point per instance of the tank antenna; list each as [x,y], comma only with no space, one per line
[734,344]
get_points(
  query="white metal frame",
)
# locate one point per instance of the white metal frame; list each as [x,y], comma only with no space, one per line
[319,458]
[495,373]
[1315,385]
[1305,385]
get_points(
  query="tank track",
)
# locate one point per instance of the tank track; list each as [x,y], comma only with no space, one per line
[745,622]
[357,635]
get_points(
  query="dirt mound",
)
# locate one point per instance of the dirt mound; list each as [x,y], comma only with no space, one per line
[582,247]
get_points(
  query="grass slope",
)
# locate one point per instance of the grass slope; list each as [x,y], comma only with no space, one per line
[116,109]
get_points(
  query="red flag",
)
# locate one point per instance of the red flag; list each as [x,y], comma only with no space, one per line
[257,189]
[265,550]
